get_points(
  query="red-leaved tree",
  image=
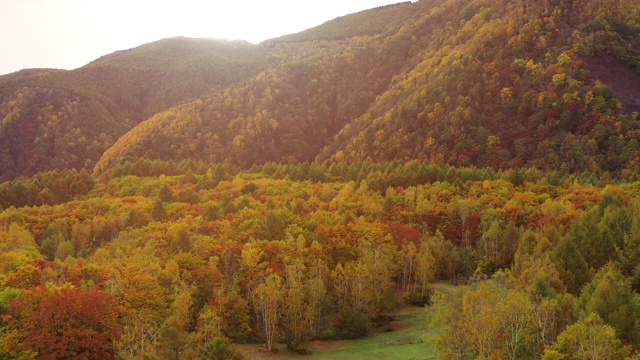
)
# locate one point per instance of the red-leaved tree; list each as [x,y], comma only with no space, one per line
[68,323]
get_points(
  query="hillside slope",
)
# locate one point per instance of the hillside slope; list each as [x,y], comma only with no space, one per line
[484,83]
[470,83]
[287,113]
[505,84]
[55,119]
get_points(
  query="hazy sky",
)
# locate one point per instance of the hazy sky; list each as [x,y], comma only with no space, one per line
[67,34]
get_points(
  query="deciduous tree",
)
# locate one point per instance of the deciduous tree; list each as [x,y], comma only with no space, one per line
[69,323]
[588,339]
[268,301]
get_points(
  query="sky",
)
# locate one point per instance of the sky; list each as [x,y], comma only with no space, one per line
[67,34]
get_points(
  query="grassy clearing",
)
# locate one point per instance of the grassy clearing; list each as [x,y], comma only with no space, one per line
[407,337]
[444,286]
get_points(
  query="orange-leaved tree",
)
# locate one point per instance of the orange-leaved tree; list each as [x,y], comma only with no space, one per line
[66,323]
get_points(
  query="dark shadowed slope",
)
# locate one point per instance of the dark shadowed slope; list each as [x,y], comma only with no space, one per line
[622,79]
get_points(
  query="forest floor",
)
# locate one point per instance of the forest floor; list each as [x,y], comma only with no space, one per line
[408,336]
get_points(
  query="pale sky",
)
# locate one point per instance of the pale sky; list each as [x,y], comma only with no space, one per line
[67,34]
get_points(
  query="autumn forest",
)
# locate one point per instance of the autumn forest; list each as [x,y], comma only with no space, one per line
[476,160]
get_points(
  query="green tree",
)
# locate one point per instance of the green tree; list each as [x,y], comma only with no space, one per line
[546,323]
[425,269]
[158,213]
[220,348]
[610,296]
[174,339]
[181,242]
[447,316]
[239,318]
[628,255]
[144,306]
[210,322]
[588,339]
[570,263]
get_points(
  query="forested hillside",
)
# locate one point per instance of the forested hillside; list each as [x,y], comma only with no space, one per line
[56,119]
[486,83]
[287,113]
[441,87]
[507,84]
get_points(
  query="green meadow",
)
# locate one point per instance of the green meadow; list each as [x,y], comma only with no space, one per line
[406,337]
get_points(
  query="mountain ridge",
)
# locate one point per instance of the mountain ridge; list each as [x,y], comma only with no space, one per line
[437,81]
[377,21]
[526,68]
[120,89]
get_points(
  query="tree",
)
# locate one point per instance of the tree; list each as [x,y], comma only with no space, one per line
[408,253]
[211,320]
[12,345]
[144,306]
[239,317]
[174,338]
[540,278]
[389,203]
[610,296]
[268,300]
[158,213]
[588,339]
[594,238]
[165,194]
[495,322]
[220,348]
[548,319]
[508,246]
[371,275]
[188,195]
[181,242]
[69,323]
[425,268]
[447,316]
[297,314]
[570,263]
[17,238]
[46,197]
[515,312]
[482,318]
[316,290]
[24,277]
[272,227]
[629,254]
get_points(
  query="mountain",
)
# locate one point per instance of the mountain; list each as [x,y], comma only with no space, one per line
[286,113]
[505,84]
[509,84]
[55,119]
[484,83]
